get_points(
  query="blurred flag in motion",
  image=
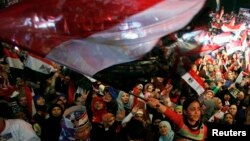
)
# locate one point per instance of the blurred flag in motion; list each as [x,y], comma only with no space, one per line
[90,35]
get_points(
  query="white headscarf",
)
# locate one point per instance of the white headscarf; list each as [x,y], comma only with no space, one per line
[170,135]
[121,105]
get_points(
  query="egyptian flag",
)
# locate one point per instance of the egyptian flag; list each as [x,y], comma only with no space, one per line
[222,38]
[232,27]
[194,80]
[13,59]
[194,49]
[90,35]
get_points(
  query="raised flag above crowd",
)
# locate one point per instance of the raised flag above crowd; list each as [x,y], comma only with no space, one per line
[39,64]
[13,59]
[90,37]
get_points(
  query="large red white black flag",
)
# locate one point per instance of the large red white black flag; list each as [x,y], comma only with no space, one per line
[90,35]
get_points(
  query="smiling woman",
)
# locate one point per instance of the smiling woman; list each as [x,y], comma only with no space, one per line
[188,125]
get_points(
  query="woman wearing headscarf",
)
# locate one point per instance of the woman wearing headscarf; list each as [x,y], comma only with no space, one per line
[38,119]
[98,109]
[189,125]
[52,126]
[125,102]
[166,132]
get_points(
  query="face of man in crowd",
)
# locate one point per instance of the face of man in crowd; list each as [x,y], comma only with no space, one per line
[218,104]
[23,101]
[227,97]
[233,109]
[240,95]
[209,95]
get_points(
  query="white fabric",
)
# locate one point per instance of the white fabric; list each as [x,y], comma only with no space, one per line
[128,40]
[18,130]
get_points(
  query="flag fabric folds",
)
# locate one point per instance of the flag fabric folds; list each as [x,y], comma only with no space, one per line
[13,59]
[90,35]
[39,64]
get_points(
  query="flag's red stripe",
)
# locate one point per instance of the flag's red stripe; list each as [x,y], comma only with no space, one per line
[197,78]
[71,92]
[29,97]
[10,54]
[72,18]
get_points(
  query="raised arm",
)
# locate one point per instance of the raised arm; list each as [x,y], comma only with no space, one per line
[171,115]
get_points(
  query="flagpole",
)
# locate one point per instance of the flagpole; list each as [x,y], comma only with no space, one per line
[142,98]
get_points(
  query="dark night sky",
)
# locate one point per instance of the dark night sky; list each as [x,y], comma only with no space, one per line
[231,5]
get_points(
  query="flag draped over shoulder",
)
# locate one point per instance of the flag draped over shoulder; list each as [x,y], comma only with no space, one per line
[90,35]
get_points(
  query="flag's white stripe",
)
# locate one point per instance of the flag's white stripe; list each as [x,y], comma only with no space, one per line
[38,65]
[193,83]
[79,90]
[222,39]
[230,48]
[157,21]
[127,41]
[90,78]
[14,63]
[89,57]
[247,60]
[228,29]
[239,78]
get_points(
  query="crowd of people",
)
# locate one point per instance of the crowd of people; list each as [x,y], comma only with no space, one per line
[163,109]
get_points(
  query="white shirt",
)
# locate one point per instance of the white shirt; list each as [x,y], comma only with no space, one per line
[18,130]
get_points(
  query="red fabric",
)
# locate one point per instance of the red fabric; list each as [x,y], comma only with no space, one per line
[97,114]
[136,92]
[10,54]
[71,92]
[84,19]
[6,92]
[95,34]
[197,78]
[28,94]
[178,121]
[5,88]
